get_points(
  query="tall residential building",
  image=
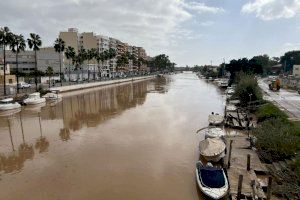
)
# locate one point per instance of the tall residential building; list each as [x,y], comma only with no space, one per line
[88,41]
[71,38]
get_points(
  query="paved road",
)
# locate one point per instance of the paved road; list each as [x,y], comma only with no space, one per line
[287,100]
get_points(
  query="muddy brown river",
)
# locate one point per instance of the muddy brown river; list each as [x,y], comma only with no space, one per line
[131,141]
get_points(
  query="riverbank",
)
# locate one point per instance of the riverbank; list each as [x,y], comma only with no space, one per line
[262,160]
[70,88]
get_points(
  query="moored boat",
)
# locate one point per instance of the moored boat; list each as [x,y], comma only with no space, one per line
[215,119]
[212,149]
[8,104]
[53,96]
[212,181]
[214,132]
[34,98]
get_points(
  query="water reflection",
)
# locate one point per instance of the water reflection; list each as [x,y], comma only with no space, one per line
[14,159]
[74,113]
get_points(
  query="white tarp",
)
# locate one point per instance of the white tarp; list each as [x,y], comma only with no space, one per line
[215,133]
[211,147]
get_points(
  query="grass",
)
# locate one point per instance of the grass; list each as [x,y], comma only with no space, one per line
[270,111]
[276,140]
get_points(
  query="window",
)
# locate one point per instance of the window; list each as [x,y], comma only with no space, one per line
[10,81]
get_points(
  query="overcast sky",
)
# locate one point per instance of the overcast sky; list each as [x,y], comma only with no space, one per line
[189,31]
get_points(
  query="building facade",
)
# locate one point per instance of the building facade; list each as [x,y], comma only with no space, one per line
[296,71]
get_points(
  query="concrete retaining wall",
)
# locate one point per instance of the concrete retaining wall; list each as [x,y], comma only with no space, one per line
[69,88]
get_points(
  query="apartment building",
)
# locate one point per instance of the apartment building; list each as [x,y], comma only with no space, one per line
[296,71]
[26,60]
[71,38]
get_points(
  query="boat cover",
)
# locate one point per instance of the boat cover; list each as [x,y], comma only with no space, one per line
[211,147]
[211,177]
[215,132]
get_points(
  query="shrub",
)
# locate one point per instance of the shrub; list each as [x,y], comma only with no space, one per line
[276,140]
[269,111]
[247,89]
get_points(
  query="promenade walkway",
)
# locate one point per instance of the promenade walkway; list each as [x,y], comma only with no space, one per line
[69,88]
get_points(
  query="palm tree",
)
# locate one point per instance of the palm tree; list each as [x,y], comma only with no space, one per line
[102,57]
[90,55]
[17,45]
[59,46]
[82,56]
[98,58]
[49,73]
[70,55]
[35,42]
[5,40]
[122,60]
[111,53]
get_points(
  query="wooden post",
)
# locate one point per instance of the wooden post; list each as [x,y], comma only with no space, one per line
[248,162]
[240,184]
[229,156]
[269,190]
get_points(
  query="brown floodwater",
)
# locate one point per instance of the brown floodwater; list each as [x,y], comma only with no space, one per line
[130,141]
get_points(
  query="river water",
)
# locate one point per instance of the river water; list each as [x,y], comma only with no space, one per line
[130,141]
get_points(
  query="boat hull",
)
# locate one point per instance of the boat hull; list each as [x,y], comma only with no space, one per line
[214,193]
[215,158]
[10,106]
[35,101]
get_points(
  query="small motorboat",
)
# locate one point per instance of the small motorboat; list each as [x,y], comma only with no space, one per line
[53,96]
[212,181]
[8,104]
[223,83]
[212,149]
[34,98]
[215,119]
[231,108]
[214,133]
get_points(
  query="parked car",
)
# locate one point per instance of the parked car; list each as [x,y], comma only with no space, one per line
[24,85]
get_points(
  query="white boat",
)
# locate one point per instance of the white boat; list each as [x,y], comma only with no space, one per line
[53,96]
[231,108]
[212,149]
[214,133]
[8,104]
[212,181]
[215,119]
[34,98]
[230,91]
[223,83]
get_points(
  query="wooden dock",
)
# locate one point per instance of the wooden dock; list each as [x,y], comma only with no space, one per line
[241,154]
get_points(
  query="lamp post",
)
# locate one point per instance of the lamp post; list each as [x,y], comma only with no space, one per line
[250,95]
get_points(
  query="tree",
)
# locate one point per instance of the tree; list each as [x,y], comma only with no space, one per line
[35,42]
[289,59]
[79,60]
[5,40]
[162,62]
[122,60]
[59,46]
[70,55]
[90,55]
[111,54]
[17,45]
[49,73]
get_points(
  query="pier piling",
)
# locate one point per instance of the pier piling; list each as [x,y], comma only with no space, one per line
[240,184]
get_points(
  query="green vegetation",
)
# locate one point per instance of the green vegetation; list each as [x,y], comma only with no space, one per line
[247,89]
[276,140]
[269,111]
[161,63]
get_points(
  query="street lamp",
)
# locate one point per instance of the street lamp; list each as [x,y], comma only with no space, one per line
[250,95]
